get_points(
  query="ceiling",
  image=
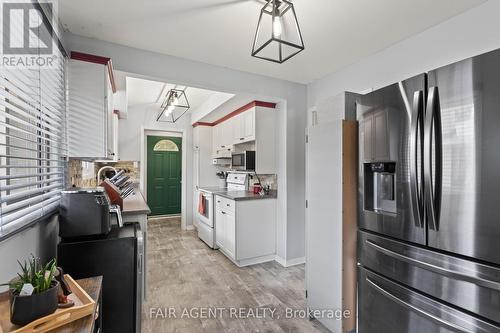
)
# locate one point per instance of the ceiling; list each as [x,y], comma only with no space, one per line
[220,32]
[148,92]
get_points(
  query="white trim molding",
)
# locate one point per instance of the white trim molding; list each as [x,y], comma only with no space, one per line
[291,262]
[143,166]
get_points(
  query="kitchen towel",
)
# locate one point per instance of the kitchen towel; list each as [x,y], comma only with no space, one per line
[201,204]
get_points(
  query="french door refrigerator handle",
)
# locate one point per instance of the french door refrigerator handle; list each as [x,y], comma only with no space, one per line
[434,268]
[415,127]
[436,319]
[433,189]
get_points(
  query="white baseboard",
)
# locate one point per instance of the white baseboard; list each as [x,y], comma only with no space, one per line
[164,217]
[190,227]
[248,262]
[281,261]
[291,262]
[254,261]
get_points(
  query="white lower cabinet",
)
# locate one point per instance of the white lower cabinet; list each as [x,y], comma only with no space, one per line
[220,237]
[230,234]
[245,230]
[225,231]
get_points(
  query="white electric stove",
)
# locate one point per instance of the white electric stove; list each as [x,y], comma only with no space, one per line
[236,181]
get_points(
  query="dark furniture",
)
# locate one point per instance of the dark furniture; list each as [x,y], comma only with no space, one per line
[117,257]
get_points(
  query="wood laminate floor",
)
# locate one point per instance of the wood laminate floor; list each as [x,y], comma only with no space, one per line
[192,288]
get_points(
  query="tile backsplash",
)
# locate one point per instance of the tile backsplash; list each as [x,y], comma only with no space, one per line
[131,168]
[271,180]
[84,174]
[79,175]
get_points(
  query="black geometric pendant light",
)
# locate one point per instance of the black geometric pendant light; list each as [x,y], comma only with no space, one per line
[174,106]
[278,36]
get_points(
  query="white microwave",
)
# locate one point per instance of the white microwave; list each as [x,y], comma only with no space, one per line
[244,160]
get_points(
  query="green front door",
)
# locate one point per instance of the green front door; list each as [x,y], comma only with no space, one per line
[164,171]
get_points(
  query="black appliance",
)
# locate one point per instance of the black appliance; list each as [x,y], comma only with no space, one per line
[85,212]
[244,160]
[118,258]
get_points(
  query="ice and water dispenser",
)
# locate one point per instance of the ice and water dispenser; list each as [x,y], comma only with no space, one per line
[380,187]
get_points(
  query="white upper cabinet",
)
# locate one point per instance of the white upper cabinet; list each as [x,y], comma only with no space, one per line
[223,138]
[112,122]
[238,130]
[249,125]
[227,133]
[244,127]
[255,128]
[92,125]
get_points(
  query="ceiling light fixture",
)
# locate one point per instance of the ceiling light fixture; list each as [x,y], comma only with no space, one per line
[174,106]
[278,36]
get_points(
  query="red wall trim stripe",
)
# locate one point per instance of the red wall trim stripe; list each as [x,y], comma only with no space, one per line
[89,58]
[95,59]
[201,123]
[237,112]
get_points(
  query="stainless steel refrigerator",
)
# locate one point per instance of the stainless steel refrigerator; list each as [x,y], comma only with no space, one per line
[429,202]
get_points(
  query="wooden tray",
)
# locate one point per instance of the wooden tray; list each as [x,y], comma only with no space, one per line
[84,306]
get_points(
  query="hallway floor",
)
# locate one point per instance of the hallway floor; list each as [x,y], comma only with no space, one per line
[192,288]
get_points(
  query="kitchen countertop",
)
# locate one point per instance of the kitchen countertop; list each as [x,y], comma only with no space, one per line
[246,195]
[135,204]
[212,189]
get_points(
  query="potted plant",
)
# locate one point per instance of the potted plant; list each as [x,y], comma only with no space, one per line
[33,293]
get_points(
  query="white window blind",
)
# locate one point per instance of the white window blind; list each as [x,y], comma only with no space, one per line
[32,142]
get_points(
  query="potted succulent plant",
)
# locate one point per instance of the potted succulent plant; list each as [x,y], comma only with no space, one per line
[33,293]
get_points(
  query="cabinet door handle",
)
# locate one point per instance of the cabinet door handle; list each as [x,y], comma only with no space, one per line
[223,212]
[242,138]
[223,146]
[228,205]
[218,201]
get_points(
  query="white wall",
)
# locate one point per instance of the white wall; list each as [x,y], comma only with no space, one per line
[291,165]
[130,129]
[209,105]
[471,33]
[39,240]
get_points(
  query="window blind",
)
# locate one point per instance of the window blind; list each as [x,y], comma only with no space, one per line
[32,142]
